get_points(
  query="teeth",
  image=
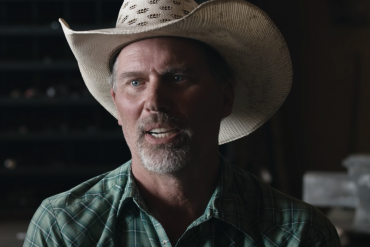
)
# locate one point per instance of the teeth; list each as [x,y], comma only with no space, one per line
[160,130]
[161,135]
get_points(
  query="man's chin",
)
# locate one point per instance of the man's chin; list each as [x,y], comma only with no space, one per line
[167,157]
[164,161]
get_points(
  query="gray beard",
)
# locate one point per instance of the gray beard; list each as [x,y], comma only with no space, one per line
[164,158]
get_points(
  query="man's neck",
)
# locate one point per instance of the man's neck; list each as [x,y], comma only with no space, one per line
[176,200]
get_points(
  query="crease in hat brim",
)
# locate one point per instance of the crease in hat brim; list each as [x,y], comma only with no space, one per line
[251,44]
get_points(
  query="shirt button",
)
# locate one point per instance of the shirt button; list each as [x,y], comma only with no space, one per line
[164,242]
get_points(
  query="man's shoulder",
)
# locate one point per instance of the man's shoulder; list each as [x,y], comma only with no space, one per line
[92,188]
[274,211]
[74,216]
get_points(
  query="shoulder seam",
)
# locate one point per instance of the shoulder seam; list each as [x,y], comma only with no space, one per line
[83,198]
[55,218]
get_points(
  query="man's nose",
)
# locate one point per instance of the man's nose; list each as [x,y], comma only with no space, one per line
[157,96]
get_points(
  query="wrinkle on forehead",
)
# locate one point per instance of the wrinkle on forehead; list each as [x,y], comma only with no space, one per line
[166,59]
[146,45]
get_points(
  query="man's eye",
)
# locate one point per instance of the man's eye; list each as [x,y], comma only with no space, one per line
[178,78]
[135,83]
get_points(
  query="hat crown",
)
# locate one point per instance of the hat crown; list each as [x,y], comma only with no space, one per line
[150,12]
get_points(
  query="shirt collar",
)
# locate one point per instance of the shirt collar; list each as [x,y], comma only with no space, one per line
[131,191]
[228,202]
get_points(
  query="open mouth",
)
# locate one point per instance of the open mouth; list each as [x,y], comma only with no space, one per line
[162,132]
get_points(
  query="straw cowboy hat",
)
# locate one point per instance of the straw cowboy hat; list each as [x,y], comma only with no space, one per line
[242,33]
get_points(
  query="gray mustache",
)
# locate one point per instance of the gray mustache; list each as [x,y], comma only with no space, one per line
[174,121]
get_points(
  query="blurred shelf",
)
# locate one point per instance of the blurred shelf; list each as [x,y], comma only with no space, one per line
[60,171]
[45,30]
[49,158]
[63,0]
[47,102]
[61,137]
[40,66]
[30,31]
[11,215]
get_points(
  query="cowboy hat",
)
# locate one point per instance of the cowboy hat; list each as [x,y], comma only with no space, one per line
[242,33]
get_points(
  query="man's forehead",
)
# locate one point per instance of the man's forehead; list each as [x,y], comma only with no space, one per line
[184,44]
[166,39]
[171,53]
[173,44]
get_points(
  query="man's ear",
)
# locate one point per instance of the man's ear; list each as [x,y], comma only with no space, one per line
[113,94]
[228,98]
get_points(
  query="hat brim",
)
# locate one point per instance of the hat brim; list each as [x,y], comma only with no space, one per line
[242,33]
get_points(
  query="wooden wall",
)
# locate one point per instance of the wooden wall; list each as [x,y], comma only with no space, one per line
[327,114]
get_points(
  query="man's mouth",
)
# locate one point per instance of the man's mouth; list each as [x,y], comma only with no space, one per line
[162,132]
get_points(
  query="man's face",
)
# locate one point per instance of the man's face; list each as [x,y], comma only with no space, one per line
[168,102]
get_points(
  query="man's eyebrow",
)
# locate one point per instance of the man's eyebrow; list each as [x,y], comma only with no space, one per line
[169,70]
[178,69]
[130,74]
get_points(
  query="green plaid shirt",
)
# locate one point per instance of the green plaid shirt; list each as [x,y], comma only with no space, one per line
[109,211]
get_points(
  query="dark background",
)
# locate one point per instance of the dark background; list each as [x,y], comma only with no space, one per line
[54,135]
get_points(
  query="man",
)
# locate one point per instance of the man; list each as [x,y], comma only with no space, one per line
[182,80]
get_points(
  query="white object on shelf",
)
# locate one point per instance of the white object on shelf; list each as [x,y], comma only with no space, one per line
[359,171]
[329,189]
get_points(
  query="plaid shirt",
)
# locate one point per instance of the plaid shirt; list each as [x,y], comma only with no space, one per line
[109,211]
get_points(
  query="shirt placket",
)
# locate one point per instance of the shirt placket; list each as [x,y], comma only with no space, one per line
[189,238]
[155,231]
